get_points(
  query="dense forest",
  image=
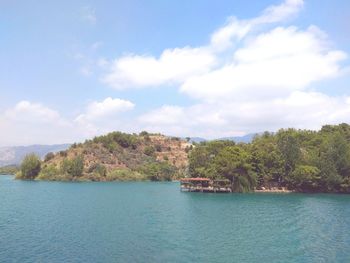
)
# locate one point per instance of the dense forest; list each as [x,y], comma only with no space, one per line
[301,160]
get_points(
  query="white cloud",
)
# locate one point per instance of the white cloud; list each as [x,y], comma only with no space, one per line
[277,13]
[26,111]
[177,65]
[271,64]
[308,110]
[173,66]
[166,115]
[102,117]
[32,123]
[106,108]
[236,29]
[251,76]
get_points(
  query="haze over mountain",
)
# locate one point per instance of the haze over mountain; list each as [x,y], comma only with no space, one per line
[15,154]
[245,138]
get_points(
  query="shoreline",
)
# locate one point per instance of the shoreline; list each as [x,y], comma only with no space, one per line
[274,190]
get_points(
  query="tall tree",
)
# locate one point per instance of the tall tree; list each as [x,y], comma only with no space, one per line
[30,167]
[233,163]
[289,148]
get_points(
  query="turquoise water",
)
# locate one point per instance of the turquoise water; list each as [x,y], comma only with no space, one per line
[155,222]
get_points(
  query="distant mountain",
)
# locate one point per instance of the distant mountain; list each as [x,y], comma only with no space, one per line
[14,155]
[246,138]
[197,139]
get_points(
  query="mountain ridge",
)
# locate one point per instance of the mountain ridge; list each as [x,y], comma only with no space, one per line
[13,155]
[245,138]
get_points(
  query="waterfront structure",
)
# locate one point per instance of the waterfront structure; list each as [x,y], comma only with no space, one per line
[207,185]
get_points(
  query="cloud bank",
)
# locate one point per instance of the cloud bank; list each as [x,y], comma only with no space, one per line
[252,75]
[30,123]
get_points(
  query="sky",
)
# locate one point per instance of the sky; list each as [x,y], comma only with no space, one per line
[71,70]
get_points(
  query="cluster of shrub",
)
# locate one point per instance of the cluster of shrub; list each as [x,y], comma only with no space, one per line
[73,169]
[301,160]
[33,168]
[115,140]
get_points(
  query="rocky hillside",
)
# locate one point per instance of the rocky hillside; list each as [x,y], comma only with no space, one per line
[119,156]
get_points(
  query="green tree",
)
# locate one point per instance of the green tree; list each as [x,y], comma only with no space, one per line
[49,156]
[30,167]
[77,166]
[300,159]
[289,148]
[330,179]
[202,155]
[144,133]
[73,167]
[199,159]
[158,171]
[48,172]
[338,150]
[305,178]
[266,159]
[149,150]
[98,168]
[233,163]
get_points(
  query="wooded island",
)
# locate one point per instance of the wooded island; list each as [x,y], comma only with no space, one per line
[298,160]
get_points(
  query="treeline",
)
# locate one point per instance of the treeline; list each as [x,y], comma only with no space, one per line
[8,169]
[301,160]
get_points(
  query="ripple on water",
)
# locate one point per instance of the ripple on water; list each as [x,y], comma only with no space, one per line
[155,222]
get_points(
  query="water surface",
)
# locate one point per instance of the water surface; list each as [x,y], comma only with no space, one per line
[155,222]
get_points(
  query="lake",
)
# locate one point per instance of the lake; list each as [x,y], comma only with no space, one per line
[155,222]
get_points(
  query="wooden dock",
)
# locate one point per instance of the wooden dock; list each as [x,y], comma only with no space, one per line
[205,185]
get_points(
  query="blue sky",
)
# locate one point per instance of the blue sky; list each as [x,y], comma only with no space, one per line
[74,69]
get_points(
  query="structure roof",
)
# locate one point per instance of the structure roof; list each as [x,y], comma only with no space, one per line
[201,179]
